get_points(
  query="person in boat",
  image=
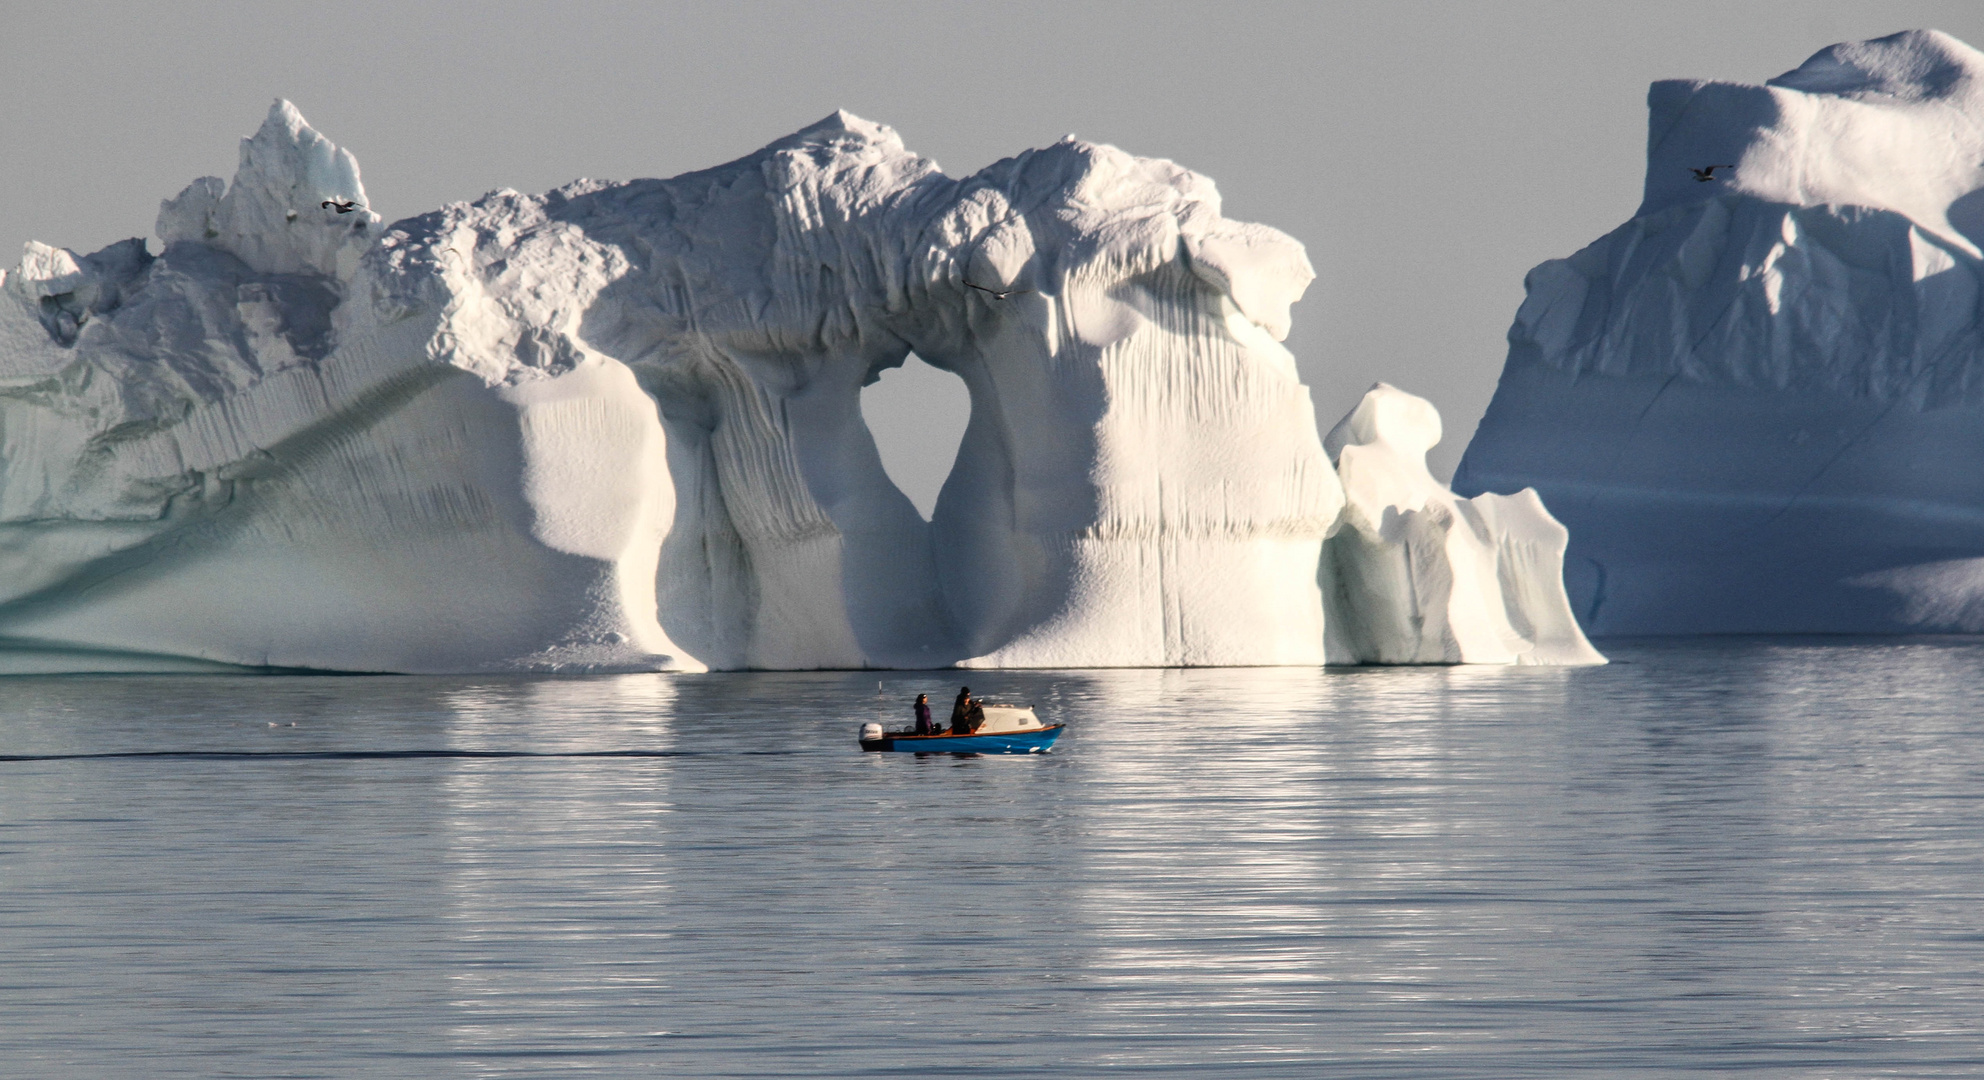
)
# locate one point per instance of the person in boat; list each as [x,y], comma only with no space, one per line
[961,712]
[923,725]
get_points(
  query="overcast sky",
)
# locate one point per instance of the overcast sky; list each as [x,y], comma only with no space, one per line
[1428,154]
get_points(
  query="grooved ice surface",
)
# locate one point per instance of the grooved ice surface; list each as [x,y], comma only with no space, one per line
[618,425]
[1759,404]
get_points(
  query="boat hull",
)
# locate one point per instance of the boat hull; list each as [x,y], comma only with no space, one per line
[1035,741]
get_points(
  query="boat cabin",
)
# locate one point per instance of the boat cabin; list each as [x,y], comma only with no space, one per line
[1002,718]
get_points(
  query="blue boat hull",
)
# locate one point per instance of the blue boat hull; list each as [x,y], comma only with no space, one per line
[1006,742]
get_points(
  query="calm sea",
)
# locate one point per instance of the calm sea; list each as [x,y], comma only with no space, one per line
[1730,855]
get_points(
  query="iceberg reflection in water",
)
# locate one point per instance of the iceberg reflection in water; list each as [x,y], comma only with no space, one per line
[1749,853]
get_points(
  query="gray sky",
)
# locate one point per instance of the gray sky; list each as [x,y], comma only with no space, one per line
[1428,154]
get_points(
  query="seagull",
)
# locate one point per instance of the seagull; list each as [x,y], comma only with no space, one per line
[996,294]
[340,206]
[1703,176]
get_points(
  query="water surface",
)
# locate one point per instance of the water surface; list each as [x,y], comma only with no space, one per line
[1723,855]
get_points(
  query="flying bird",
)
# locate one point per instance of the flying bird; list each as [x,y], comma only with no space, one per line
[340,207]
[996,294]
[1703,176]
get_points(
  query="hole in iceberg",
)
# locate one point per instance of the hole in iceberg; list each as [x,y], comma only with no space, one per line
[917,414]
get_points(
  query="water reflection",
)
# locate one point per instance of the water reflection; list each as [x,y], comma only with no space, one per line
[1734,853]
[1324,851]
[569,860]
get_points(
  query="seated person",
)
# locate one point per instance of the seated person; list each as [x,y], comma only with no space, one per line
[961,712]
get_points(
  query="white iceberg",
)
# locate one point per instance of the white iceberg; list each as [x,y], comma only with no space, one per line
[1759,404]
[1418,575]
[617,426]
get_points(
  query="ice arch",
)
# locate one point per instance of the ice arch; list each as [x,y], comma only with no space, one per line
[917,415]
[619,424]
[1141,481]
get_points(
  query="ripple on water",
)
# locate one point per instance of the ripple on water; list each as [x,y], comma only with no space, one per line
[1760,854]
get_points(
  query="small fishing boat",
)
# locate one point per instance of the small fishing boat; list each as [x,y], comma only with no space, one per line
[1008,729]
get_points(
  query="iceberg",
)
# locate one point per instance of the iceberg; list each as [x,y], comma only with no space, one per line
[1415,574]
[1759,404]
[214,460]
[617,426]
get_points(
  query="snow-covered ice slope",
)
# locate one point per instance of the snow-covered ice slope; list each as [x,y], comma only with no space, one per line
[618,426]
[1417,575]
[1759,404]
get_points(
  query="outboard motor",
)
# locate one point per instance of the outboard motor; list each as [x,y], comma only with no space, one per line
[871,732]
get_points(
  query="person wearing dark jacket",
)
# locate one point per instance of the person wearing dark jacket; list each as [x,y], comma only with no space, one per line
[923,726]
[961,713]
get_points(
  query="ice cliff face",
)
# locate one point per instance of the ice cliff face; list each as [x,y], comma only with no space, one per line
[1757,405]
[617,426]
